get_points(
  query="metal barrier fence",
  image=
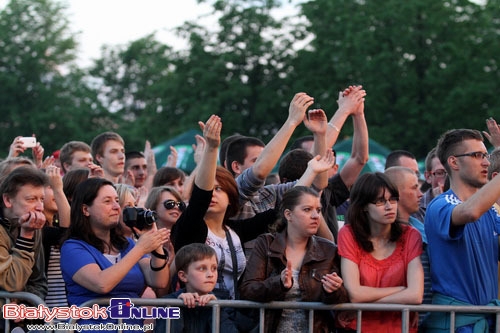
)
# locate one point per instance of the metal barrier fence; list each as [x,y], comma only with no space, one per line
[309,306]
[312,306]
[18,295]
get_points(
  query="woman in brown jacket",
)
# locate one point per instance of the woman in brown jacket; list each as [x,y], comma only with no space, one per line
[295,265]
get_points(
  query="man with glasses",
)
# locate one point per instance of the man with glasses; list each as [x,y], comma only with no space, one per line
[435,175]
[462,230]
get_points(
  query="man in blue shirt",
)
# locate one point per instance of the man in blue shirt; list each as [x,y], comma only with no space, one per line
[462,231]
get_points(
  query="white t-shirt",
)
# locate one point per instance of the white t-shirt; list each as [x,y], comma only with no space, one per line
[221,247]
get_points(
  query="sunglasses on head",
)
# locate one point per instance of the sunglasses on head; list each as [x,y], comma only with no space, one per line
[170,204]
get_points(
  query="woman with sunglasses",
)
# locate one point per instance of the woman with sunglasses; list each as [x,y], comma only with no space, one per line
[167,203]
[379,255]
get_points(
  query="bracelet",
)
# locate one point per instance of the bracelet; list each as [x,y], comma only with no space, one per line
[160,256]
[333,126]
[156,269]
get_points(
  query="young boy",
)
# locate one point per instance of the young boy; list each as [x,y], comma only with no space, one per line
[196,265]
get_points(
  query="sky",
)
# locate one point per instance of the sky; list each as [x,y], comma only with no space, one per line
[118,22]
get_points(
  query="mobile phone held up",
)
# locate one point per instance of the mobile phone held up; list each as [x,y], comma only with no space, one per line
[28,141]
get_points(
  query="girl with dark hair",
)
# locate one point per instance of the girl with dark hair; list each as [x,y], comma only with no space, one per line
[213,201]
[379,255]
[98,261]
[295,265]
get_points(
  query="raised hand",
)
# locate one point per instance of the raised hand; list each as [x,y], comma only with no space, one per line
[298,107]
[211,131]
[352,99]
[316,121]
[172,157]
[198,148]
[323,163]
[54,175]
[16,147]
[494,132]
[38,155]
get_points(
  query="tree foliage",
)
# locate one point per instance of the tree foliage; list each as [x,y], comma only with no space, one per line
[37,96]
[427,66]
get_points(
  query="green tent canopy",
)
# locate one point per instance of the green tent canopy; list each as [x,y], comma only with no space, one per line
[376,155]
[183,144]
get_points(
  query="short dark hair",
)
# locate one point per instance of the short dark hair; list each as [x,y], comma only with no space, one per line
[293,165]
[224,145]
[393,158]
[298,142]
[449,142]
[237,150]
[69,148]
[191,253]
[98,142]
[366,190]
[165,175]
[19,177]
[130,155]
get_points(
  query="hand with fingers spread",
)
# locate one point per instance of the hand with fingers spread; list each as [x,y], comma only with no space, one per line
[322,163]
[286,276]
[331,282]
[493,133]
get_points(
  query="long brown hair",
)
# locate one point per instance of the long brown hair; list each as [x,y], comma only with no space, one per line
[80,228]
[365,191]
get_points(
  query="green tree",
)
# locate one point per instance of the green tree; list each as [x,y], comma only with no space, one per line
[42,92]
[237,71]
[427,66]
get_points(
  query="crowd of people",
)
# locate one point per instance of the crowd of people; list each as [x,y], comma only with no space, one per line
[94,221]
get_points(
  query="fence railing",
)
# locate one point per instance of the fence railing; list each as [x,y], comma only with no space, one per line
[262,307]
[314,306]
[8,297]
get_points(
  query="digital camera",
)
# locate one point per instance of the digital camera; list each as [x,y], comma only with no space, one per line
[139,217]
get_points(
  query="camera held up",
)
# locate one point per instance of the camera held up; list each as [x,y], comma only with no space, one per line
[139,217]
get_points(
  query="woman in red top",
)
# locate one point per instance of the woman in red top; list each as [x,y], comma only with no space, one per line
[379,255]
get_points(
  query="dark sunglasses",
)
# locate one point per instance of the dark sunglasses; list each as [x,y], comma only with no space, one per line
[170,204]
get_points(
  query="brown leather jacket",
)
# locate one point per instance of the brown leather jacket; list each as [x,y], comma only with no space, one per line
[261,281]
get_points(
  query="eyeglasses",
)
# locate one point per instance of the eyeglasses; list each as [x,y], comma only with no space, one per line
[478,155]
[439,173]
[170,204]
[382,201]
